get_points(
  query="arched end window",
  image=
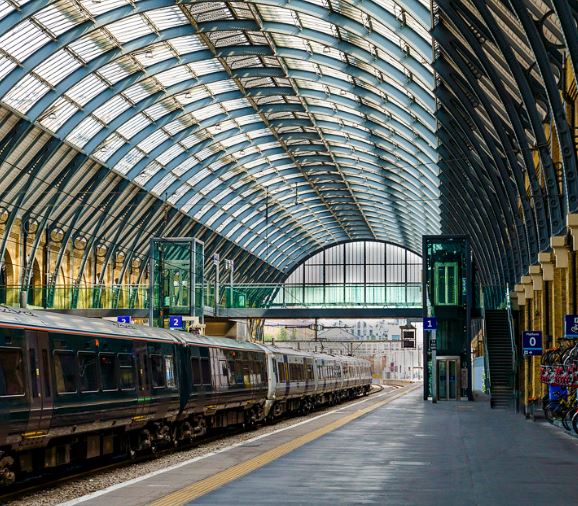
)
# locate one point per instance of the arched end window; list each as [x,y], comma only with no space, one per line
[359,273]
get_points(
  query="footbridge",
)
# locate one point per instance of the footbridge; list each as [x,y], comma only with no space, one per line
[273,301]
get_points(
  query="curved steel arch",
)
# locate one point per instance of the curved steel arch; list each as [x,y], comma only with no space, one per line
[502,63]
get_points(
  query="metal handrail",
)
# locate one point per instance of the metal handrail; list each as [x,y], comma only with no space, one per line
[513,344]
[486,352]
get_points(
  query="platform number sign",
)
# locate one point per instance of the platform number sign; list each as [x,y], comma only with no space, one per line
[123,319]
[175,322]
[532,342]
[571,326]
[430,323]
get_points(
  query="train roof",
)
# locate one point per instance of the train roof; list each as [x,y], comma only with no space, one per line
[288,351]
[318,356]
[79,324]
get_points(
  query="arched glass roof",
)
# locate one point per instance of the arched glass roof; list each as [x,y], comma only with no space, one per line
[284,126]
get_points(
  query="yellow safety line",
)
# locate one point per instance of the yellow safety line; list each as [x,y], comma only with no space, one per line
[203,487]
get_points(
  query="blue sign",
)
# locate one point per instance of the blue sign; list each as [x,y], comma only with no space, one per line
[430,323]
[571,326]
[532,343]
[123,319]
[175,322]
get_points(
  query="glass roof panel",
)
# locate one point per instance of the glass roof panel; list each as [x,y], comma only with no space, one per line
[60,17]
[312,99]
[5,8]
[96,8]
[130,28]
[26,93]
[167,17]
[92,45]
[86,89]
[23,40]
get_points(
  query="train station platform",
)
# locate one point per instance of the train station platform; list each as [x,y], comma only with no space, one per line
[390,448]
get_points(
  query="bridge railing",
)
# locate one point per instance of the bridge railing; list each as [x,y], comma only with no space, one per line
[287,296]
[240,296]
[80,297]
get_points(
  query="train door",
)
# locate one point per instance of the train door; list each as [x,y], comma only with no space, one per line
[41,387]
[144,386]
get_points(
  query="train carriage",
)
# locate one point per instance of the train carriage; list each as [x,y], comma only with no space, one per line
[226,382]
[74,388]
[292,384]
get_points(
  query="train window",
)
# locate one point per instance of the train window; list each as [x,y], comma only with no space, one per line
[293,372]
[196,368]
[11,372]
[65,372]
[170,371]
[87,375]
[126,367]
[108,377]
[157,372]
[206,371]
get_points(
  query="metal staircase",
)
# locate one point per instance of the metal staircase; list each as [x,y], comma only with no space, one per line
[500,358]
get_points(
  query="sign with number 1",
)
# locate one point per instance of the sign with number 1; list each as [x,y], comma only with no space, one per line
[430,323]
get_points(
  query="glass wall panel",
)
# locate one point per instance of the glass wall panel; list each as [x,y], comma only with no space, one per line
[354,274]
[314,295]
[375,252]
[334,255]
[334,274]
[293,295]
[358,273]
[414,273]
[395,294]
[334,294]
[395,273]
[354,294]
[316,259]
[375,294]
[375,274]
[394,254]
[313,274]
[355,253]
[296,276]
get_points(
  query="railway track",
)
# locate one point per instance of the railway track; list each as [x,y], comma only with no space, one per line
[52,480]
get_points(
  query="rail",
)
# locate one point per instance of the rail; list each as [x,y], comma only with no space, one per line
[238,296]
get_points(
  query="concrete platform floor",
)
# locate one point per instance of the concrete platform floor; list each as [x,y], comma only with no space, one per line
[411,452]
[405,452]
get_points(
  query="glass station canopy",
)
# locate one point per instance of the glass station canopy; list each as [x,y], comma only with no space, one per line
[284,126]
